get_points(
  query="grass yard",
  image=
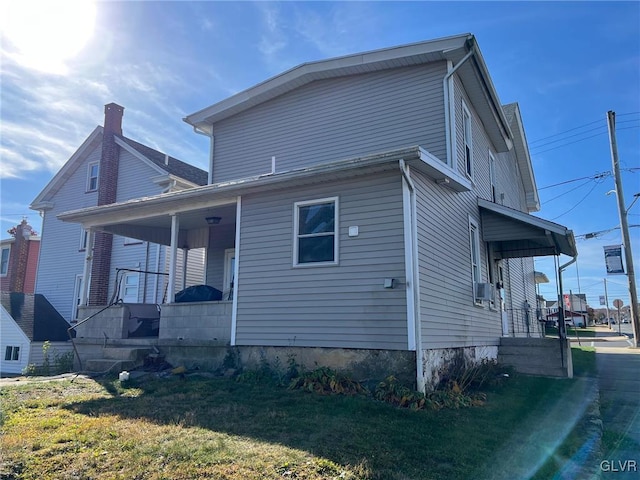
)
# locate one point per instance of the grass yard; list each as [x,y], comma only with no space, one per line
[587,332]
[185,428]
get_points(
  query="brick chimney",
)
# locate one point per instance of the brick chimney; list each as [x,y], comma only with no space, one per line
[107,190]
[17,269]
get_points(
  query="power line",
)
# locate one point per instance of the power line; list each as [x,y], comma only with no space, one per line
[581,200]
[565,193]
[582,126]
[592,177]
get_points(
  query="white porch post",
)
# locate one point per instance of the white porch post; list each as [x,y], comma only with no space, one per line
[86,272]
[236,283]
[185,254]
[173,257]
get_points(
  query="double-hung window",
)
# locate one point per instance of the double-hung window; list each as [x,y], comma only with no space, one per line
[492,176]
[467,140]
[92,176]
[4,266]
[316,232]
[474,240]
[12,354]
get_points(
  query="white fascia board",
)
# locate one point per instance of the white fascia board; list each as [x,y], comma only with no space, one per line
[221,193]
[42,201]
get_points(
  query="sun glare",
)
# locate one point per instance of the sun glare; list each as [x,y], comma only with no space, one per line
[45,35]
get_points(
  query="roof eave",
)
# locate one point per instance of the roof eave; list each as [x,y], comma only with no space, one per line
[307,72]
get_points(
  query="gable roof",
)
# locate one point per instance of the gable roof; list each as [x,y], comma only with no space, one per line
[174,166]
[473,73]
[35,316]
[170,164]
[512,114]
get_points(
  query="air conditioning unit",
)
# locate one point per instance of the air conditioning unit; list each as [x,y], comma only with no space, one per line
[484,292]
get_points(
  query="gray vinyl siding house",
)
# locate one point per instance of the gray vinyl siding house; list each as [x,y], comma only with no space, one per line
[352,194]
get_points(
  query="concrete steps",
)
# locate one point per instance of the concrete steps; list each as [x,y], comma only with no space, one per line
[536,356]
[115,359]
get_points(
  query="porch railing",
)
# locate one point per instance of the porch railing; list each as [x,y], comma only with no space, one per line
[524,323]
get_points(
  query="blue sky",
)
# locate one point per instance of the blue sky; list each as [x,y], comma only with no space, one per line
[566,64]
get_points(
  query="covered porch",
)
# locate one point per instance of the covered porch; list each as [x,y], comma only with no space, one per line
[513,234]
[208,223]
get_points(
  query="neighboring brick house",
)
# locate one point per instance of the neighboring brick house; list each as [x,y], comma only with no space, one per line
[109,167]
[19,259]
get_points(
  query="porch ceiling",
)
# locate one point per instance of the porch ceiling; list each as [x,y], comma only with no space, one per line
[194,229]
[515,234]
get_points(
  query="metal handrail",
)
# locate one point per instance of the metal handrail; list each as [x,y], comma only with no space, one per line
[73,327]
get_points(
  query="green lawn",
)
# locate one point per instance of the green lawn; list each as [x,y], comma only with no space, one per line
[589,332]
[179,428]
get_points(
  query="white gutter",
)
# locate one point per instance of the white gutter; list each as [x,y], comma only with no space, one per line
[450,107]
[212,142]
[411,260]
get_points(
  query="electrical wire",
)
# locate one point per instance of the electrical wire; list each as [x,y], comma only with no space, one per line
[597,175]
[579,202]
[582,126]
[565,193]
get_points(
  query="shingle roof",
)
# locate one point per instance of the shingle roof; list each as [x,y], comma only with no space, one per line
[175,167]
[37,318]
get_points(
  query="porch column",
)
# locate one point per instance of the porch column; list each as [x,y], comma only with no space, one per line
[185,254]
[173,257]
[86,272]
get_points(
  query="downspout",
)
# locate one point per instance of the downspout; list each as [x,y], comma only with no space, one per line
[562,331]
[212,142]
[449,105]
[420,384]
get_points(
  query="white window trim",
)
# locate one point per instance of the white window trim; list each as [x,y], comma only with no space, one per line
[468,168]
[474,241]
[84,238]
[336,231]
[493,189]
[123,286]
[13,349]
[8,249]
[89,177]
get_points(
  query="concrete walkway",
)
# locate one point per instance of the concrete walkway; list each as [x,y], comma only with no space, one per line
[619,386]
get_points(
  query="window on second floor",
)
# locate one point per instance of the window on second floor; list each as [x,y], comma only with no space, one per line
[467,140]
[492,176]
[84,235]
[93,170]
[4,266]
[316,232]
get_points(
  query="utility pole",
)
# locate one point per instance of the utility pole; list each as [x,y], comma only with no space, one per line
[624,227]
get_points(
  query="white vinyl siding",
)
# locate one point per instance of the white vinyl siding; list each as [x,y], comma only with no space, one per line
[332,119]
[60,259]
[315,227]
[342,306]
[12,336]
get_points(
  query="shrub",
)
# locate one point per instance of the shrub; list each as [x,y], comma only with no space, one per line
[326,381]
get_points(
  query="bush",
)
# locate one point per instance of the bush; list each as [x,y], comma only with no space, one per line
[326,381]
[62,363]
